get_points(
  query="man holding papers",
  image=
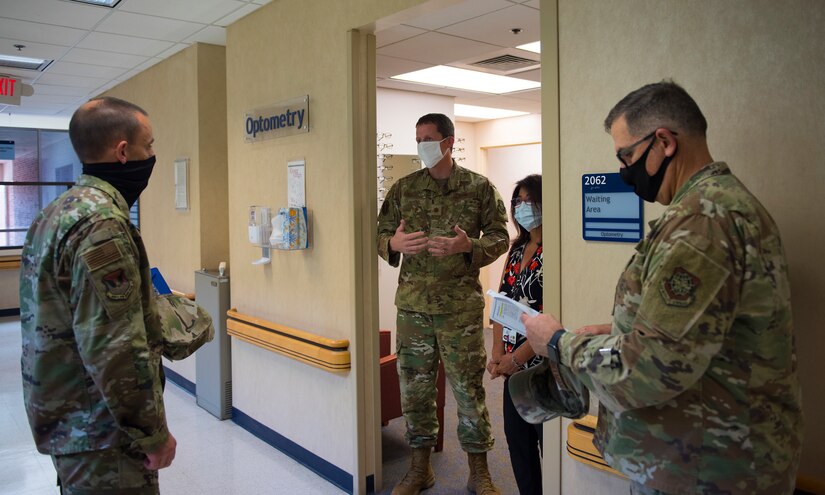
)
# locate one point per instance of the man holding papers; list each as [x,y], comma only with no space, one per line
[697,375]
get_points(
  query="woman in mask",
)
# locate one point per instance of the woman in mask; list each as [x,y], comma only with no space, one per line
[521,281]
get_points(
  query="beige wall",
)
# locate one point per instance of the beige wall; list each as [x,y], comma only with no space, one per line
[756,69]
[287,49]
[185,97]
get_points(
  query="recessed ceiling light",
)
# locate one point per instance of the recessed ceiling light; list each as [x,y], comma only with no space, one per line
[534,47]
[23,62]
[102,3]
[476,112]
[470,80]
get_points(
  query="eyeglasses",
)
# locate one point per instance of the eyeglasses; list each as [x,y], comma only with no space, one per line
[517,201]
[625,153]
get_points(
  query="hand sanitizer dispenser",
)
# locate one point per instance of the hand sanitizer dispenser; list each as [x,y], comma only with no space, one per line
[259,229]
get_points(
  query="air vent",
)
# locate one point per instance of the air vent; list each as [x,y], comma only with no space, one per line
[506,63]
[502,62]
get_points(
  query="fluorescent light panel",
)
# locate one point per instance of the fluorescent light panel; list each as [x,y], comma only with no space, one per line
[102,3]
[21,60]
[469,80]
[28,63]
[534,47]
[476,112]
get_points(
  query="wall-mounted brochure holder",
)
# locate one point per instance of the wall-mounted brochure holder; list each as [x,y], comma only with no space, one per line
[290,229]
[259,229]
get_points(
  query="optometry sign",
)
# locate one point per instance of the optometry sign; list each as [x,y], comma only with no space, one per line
[611,211]
[281,119]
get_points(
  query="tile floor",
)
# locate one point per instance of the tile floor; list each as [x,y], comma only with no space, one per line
[213,457]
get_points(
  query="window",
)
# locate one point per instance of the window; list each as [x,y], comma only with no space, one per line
[36,166]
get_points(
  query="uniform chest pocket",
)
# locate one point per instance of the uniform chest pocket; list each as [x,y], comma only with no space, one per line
[465,212]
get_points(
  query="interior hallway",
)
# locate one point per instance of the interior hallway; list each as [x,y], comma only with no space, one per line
[213,457]
[220,458]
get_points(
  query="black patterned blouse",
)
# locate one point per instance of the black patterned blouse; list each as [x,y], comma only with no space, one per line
[525,287]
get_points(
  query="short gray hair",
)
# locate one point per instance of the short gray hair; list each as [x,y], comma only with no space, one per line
[664,104]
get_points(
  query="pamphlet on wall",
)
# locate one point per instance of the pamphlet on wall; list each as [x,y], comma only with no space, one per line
[508,312]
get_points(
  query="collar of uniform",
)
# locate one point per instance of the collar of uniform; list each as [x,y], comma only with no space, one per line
[97,183]
[710,170]
[452,180]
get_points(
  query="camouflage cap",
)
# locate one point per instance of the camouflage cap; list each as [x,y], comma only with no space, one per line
[538,398]
[186,326]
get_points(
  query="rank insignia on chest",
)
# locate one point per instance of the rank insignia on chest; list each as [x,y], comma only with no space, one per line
[680,288]
[118,287]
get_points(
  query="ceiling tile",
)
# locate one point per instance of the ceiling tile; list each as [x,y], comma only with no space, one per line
[436,48]
[75,81]
[35,50]
[145,26]
[67,14]
[495,28]
[202,11]
[98,57]
[124,44]
[210,34]
[530,75]
[532,3]
[506,102]
[84,70]
[405,86]
[457,13]
[173,50]
[261,2]
[27,76]
[395,34]
[390,66]
[234,16]
[46,99]
[39,33]
[48,89]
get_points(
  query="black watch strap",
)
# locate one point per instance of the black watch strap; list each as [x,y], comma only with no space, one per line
[554,358]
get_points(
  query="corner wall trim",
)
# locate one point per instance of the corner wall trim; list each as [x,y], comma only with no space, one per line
[319,466]
[180,381]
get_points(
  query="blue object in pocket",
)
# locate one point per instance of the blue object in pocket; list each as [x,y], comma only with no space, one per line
[161,287]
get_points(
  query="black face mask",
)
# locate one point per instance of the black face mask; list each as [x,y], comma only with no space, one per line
[130,178]
[645,186]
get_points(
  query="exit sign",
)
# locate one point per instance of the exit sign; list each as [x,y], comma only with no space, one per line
[9,86]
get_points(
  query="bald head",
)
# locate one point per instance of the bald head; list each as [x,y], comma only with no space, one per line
[100,124]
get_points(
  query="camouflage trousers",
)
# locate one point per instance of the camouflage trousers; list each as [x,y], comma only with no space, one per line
[458,340]
[104,472]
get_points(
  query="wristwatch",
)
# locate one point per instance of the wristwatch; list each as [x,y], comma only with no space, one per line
[554,357]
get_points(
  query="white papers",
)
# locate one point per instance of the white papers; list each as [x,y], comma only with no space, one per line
[508,312]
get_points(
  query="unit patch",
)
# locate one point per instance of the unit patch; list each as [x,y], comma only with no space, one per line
[118,287]
[680,288]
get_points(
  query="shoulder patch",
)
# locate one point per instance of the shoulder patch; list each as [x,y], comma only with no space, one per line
[118,286]
[680,288]
[102,255]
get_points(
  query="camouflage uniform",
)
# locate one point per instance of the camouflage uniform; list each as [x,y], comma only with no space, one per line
[91,364]
[703,396]
[439,300]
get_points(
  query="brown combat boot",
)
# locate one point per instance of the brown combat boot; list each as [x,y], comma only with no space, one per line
[419,477]
[480,482]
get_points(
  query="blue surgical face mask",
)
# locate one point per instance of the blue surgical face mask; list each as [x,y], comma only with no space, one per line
[527,215]
[430,152]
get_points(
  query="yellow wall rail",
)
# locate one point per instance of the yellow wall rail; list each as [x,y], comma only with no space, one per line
[10,262]
[580,444]
[321,352]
